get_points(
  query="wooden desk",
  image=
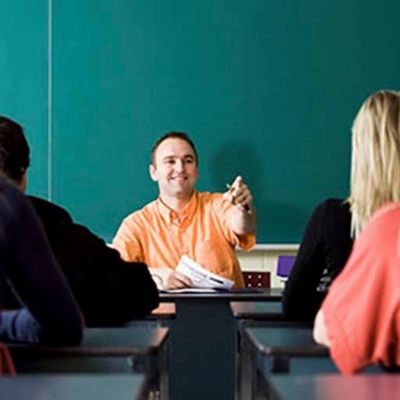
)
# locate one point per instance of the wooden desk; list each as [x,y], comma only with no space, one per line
[334,387]
[164,311]
[203,343]
[66,387]
[103,350]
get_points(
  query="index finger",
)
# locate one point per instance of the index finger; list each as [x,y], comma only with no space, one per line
[237,182]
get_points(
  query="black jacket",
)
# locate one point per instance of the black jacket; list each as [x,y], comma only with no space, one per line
[323,253]
[108,290]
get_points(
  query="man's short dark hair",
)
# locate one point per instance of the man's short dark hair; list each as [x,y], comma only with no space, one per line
[14,149]
[174,135]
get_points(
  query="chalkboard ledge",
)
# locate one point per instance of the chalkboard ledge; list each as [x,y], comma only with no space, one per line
[275,247]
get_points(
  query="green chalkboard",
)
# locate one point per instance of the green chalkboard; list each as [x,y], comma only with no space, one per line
[267,89]
[24,77]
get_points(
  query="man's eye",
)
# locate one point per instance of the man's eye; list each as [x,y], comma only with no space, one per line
[189,161]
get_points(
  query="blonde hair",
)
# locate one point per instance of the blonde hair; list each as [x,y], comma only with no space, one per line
[375,167]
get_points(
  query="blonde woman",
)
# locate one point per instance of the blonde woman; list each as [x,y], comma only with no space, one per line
[360,317]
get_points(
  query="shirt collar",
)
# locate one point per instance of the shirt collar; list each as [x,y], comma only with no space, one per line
[170,215]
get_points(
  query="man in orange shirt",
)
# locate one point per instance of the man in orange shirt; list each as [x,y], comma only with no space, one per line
[204,226]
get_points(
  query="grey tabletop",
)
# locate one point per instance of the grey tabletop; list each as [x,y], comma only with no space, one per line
[77,387]
[290,341]
[335,386]
[106,342]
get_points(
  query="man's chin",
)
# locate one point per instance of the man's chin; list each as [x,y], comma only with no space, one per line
[183,192]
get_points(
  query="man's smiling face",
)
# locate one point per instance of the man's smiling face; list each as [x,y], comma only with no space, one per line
[174,168]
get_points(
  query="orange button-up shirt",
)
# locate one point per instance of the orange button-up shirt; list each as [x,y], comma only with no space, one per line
[158,236]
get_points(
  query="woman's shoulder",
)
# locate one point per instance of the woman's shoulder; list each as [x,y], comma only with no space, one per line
[386,218]
[334,209]
[334,204]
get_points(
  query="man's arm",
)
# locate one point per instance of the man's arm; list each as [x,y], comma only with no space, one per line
[243,216]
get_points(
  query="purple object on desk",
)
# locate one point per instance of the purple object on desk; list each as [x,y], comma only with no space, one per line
[285,264]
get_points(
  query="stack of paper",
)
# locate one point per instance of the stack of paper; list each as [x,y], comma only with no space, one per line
[200,277]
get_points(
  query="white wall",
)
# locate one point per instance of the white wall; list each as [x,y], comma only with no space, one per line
[264,257]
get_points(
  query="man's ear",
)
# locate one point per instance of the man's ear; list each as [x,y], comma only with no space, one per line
[153,172]
[23,183]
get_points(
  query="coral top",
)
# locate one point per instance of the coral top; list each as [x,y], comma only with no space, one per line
[361,309]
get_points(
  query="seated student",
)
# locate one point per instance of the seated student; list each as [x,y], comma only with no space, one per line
[204,226]
[109,290]
[324,250]
[50,314]
[360,317]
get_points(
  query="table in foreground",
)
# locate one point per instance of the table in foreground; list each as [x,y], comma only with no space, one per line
[335,386]
[255,314]
[282,350]
[257,311]
[103,350]
[76,387]
[203,342]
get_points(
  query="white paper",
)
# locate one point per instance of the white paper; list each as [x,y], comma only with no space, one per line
[200,277]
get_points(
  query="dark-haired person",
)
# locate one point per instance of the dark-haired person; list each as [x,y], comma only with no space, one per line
[108,290]
[204,226]
[48,313]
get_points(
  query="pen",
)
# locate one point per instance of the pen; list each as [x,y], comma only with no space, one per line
[246,207]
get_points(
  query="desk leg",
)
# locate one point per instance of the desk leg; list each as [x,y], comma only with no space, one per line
[164,373]
[155,368]
[245,364]
[202,351]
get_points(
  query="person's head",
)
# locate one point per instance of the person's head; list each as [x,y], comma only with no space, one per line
[14,151]
[375,169]
[174,165]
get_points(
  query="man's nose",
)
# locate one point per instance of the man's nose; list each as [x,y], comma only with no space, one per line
[179,165]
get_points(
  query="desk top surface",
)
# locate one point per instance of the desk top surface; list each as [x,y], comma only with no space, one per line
[164,311]
[335,386]
[290,341]
[270,294]
[107,342]
[66,387]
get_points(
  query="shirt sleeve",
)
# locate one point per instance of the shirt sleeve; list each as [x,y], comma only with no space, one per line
[127,242]
[361,308]
[222,209]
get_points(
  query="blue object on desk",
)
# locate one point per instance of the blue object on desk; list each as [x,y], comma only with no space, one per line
[285,264]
